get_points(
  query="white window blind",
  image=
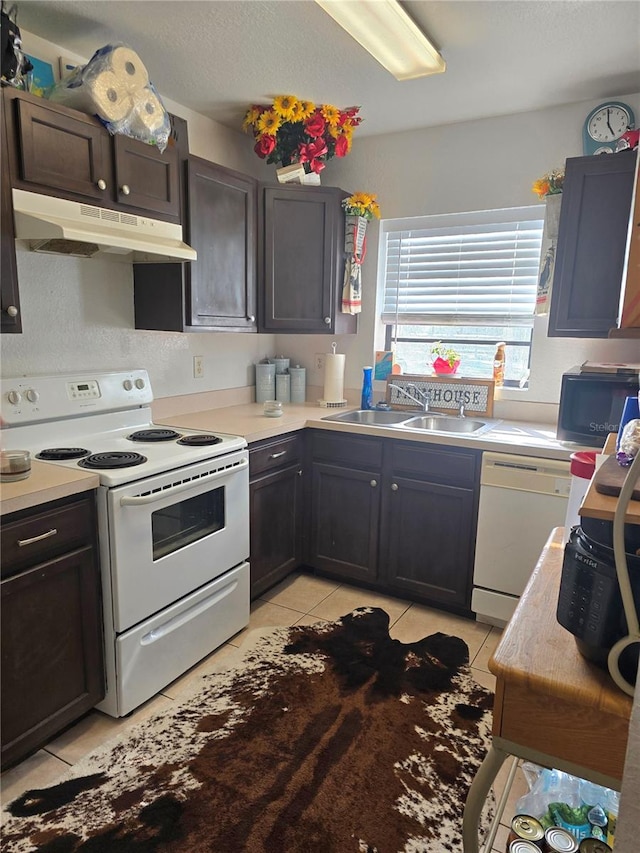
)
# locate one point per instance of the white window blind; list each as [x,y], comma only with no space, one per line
[473,268]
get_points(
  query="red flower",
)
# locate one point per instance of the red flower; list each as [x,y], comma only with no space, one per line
[313,150]
[316,166]
[315,124]
[264,146]
[342,146]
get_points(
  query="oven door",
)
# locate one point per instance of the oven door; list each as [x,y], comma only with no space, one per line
[171,533]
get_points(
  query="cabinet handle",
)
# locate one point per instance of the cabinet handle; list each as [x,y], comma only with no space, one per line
[12,311]
[124,189]
[327,320]
[102,184]
[300,473]
[23,542]
[394,487]
[373,484]
[251,318]
[278,455]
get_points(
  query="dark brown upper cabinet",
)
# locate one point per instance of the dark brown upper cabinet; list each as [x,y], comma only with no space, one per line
[9,295]
[592,239]
[216,292]
[57,151]
[301,260]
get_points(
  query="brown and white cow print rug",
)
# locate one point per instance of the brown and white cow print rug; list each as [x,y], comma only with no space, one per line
[328,738]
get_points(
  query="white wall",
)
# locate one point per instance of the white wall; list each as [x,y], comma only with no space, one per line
[80,312]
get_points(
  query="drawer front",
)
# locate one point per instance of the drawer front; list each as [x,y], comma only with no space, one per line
[268,456]
[349,450]
[46,534]
[438,464]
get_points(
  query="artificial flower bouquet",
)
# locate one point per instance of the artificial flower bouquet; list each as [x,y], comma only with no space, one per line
[549,184]
[362,204]
[295,131]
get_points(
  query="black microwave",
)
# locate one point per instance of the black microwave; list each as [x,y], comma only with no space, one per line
[591,405]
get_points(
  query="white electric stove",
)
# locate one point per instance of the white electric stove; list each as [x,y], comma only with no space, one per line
[173,513]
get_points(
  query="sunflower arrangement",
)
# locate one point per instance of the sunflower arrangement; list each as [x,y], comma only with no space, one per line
[294,131]
[549,184]
[362,204]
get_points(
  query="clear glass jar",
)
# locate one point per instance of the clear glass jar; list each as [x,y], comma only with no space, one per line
[272,408]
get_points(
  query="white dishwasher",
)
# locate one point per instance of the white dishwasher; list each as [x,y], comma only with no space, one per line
[522,499]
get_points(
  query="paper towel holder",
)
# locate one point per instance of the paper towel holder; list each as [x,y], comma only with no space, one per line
[333,404]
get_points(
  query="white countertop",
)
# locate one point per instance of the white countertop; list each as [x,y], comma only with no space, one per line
[249,421]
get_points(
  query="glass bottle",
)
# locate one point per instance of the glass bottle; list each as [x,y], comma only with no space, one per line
[367,389]
[498,364]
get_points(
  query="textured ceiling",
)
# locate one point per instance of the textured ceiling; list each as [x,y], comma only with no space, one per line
[503,56]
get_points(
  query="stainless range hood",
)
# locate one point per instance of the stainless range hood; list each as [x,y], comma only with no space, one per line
[62,227]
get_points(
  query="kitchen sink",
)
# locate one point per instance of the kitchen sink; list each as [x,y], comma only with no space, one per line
[431,423]
[373,417]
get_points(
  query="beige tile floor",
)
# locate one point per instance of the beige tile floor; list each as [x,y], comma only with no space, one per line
[300,599]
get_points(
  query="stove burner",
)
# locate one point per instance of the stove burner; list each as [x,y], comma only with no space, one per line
[154,435]
[114,459]
[199,440]
[51,453]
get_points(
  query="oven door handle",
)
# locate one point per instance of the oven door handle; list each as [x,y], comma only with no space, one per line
[154,497]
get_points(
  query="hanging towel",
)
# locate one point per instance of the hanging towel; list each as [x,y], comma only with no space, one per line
[352,288]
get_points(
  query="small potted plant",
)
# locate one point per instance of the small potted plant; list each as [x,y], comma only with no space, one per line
[445,359]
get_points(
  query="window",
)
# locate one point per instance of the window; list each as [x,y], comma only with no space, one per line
[466,279]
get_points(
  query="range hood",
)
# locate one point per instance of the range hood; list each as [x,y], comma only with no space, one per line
[62,227]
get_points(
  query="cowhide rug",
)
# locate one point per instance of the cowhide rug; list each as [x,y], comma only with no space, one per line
[328,738]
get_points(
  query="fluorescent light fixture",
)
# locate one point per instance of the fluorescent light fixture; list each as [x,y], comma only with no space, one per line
[384,29]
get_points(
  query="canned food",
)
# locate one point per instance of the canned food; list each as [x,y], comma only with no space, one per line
[559,840]
[521,845]
[593,845]
[527,827]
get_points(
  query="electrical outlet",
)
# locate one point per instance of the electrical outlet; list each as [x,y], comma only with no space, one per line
[198,367]
[319,361]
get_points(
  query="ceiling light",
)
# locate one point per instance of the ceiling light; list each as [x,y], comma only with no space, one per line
[384,29]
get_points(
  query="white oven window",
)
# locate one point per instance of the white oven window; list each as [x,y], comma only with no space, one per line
[186,521]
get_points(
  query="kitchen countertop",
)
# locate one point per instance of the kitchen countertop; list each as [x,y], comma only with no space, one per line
[249,421]
[45,483]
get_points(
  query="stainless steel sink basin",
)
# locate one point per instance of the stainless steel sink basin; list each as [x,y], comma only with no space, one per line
[373,417]
[445,424]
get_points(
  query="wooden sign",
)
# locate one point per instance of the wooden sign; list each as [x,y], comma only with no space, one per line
[446,393]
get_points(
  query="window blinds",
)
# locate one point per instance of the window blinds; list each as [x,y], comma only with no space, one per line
[476,268]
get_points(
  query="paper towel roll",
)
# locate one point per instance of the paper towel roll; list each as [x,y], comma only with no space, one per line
[102,93]
[148,114]
[334,377]
[127,66]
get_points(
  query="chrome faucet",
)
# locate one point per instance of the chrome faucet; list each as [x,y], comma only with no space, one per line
[461,410]
[425,397]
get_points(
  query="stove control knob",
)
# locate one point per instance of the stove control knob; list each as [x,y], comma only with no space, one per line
[32,395]
[14,397]
[127,385]
[140,383]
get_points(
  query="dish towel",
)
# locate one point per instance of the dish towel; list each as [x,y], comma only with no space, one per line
[352,288]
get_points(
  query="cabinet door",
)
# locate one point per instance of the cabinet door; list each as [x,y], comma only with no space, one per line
[592,237]
[276,527]
[9,296]
[345,511]
[302,260]
[146,178]
[427,541]
[222,229]
[52,659]
[61,152]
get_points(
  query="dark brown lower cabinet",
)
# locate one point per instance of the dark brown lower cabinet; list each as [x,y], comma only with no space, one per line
[276,497]
[396,515]
[52,645]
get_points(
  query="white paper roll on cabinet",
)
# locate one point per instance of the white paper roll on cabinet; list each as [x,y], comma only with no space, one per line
[334,377]
[147,115]
[102,94]
[127,66]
